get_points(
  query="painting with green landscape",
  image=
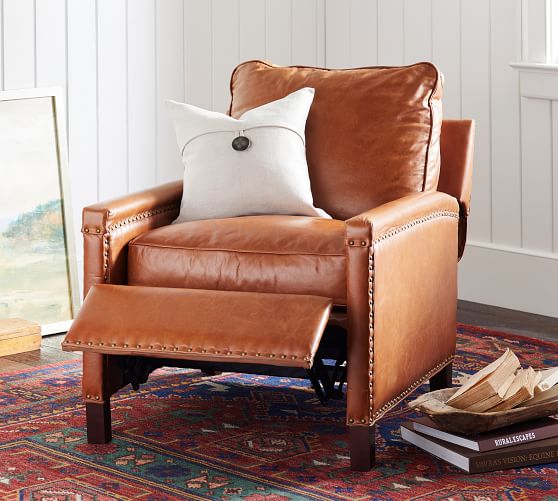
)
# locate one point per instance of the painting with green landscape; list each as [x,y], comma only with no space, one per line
[34,269]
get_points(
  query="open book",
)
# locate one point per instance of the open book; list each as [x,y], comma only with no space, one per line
[503,385]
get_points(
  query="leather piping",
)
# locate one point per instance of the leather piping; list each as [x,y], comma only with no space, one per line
[271,65]
[374,416]
[240,251]
[427,156]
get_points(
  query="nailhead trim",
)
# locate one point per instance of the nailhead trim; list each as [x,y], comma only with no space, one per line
[434,215]
[201,351]
[120,224]
[371,415]
[370,331]
[142,215]
[410,389]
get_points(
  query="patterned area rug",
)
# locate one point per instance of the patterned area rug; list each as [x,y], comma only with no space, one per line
[185,436]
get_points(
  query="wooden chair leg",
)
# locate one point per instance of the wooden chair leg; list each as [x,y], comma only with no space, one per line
[99,429]
[362,447]
[442,379]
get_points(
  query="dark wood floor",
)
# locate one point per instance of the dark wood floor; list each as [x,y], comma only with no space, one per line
[502,319]
[480,315]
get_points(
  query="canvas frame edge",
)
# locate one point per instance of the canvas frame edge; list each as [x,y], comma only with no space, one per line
[56,95]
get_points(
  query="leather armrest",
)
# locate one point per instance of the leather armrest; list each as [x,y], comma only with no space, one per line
[379,221]
[99,217]
[109,226]
[401,299]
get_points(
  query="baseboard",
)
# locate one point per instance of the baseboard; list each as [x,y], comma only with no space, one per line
[510,278]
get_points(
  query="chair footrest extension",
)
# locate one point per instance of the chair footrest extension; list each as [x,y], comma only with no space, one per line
[192,324]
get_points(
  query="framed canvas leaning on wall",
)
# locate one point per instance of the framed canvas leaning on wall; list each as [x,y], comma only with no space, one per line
[38,272]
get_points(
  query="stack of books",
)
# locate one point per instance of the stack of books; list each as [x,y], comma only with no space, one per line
[524,444]
[499,387]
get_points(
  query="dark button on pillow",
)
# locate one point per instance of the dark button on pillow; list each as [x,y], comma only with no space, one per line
[240,143]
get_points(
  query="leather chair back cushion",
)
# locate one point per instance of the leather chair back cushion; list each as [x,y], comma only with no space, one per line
[372,133]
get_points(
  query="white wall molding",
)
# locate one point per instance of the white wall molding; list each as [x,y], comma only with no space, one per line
[535,67]
[513,250]
[509,278]
[537,80]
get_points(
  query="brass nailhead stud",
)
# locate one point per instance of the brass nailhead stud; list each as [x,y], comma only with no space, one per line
[88,396]
[151,347]
[229,353]
[243,353]
[283,356]
[138,346]
[189,349]
[351,242]
[351,420]
[204,351]
[125,346]
[257,354]
[96,397]
[363,243]
[176,348]
[98,230]
[363,420]
[272,355]
[86,230]
[78,342]
[293,357]
[113,344]
[90,343]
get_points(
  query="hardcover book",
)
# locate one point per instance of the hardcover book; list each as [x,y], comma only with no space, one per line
[492,440]
[517,456]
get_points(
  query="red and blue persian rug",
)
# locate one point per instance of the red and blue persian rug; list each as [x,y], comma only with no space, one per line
[233,436]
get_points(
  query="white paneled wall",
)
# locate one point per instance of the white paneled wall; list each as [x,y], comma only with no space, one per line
[119,60]
[512,259]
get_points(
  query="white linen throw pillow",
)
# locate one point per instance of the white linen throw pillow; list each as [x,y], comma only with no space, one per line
[252,165]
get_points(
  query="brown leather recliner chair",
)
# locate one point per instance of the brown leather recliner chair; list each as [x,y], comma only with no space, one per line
[388,259]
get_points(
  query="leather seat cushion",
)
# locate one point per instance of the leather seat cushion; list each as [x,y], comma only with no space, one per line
[281,254]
